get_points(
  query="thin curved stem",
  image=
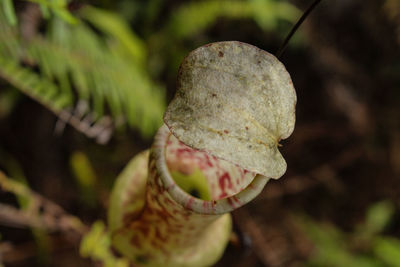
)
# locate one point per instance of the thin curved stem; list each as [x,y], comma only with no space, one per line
[295,27]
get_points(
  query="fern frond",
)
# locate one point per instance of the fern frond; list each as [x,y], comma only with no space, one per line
[58,8]
[45,92]
[75,63]
[112,24]
[31,84]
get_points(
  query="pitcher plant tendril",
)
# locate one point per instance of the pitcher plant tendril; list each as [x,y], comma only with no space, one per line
[216,151]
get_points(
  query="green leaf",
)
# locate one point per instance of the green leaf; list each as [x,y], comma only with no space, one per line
[45,11]
[378,216]
[193,17]
[85,177]
[64,14]
[115,26]
[388,249]
[9,11]
[96,244]
[268,13]
[332,247]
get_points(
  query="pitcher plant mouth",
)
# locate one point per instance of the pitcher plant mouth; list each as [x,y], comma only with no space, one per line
[229,185]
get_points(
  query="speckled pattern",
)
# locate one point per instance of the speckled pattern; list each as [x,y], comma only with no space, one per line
[237,102]
[224,178]
[175,228]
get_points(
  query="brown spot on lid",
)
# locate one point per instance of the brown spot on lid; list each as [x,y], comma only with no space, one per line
[220,54]
[226,131]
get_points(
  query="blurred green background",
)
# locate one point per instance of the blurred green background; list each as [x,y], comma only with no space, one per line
[84,84]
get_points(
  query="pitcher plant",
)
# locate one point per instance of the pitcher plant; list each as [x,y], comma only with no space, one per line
[216,151]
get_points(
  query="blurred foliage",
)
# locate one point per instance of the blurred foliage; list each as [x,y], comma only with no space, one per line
[102,70]
[8,8]
[189,20]
[8,99]
[202,14]
[365,246]
[85,176]
[26,199]
[34,210]
[58,8]
[29,205]
[96,245]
